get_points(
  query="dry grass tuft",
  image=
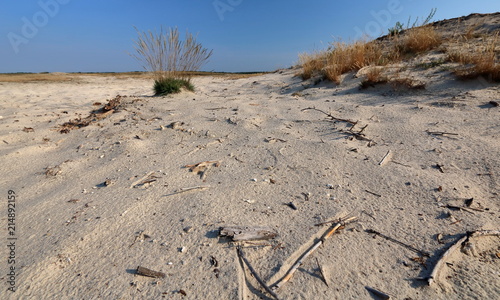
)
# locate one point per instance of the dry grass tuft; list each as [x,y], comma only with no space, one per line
[338,59]
[169,58]
[419,39]
[476,61]
[311,64]
[345,57]
[407,82]
[373,77]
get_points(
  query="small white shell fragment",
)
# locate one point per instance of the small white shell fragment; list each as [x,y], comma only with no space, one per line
[251,201]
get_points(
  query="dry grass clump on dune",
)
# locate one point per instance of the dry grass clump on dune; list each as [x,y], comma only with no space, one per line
[476,56]
[380,75]
[350,57]
[418,40]
[373,77]
[478,60]
[311,63]
[340,58]
[344,57]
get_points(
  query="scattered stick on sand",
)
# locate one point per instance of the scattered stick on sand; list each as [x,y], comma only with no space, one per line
[331,116]
[385,158]
[313,248]
[248,233]
[322,272]
[241,255]
[189,189]
[378,293]
[423,253]
[458,244]
[150,273]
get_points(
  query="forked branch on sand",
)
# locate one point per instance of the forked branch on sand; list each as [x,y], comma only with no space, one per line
[241,255]
[316,245]
[331,116]
[458,244]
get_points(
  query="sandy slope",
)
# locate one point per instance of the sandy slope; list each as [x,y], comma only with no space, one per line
[271,152]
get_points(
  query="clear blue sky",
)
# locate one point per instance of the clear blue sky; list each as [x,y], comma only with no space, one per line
[245,35]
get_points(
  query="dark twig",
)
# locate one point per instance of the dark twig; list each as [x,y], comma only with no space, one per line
[374,194]
[423,253]
[440,133]
[357,135]
[378,293]
[331,116]
[254,273]
[322,272]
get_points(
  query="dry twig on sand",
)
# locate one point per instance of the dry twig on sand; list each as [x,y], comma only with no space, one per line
[378,293]
[322,272]
[331,116]
[145,180]
[385,158]
[423,253]
[440,133]
[248,233]
[149,273]
[313,248]
[359,135]
[188,189]
[202,167]
[241,255]
[458,244]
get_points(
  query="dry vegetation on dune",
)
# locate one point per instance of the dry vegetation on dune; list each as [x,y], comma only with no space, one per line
[478,60]
[343,57]
[170,59]
[417,40]
[474,54]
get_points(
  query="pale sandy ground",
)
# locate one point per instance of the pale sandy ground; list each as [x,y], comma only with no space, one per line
[271,152]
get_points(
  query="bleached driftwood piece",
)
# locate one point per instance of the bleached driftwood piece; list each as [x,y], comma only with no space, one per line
[248,233]
[385,158]
[313,248]
[148,178]
[458,244]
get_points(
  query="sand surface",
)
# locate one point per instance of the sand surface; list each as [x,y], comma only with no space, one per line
[84,220]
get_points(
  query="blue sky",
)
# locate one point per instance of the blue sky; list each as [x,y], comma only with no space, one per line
[245,35]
